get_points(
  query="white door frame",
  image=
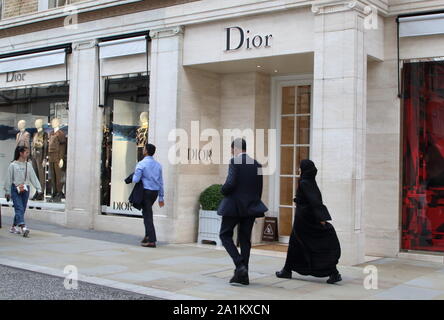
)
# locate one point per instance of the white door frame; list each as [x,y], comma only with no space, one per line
[276,100]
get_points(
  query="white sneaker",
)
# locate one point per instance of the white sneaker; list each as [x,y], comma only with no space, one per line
[14,230]
[25,231]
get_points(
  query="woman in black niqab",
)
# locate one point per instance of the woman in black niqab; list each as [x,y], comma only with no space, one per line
[314,247]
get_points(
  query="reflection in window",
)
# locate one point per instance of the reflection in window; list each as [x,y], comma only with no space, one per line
[57,3]
[125,132]
[423,156]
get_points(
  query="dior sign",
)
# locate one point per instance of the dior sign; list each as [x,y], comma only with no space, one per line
[15,77]
[246,39]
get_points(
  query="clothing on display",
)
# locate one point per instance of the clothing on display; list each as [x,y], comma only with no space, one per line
[141,141]
[23,138]
[39,152]
[106,163]
[56,152]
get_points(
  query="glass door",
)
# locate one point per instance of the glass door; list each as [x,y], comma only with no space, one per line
[295,113]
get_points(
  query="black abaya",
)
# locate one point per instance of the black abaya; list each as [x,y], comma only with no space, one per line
[314,248]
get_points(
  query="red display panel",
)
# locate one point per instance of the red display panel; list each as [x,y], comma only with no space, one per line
[423,156]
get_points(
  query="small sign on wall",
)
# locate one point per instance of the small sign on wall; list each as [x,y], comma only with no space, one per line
[270,232]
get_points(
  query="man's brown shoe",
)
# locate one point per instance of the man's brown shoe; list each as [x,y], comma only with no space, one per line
[149,244]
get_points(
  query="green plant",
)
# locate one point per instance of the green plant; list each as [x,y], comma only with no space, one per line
[211,197]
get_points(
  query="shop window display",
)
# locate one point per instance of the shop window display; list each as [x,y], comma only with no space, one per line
[125,132]
[37,117]
[423,156]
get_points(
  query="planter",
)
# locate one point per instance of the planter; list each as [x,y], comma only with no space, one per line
[209,226]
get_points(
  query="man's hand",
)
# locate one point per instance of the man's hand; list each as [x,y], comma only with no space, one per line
[161,203]
[323,223]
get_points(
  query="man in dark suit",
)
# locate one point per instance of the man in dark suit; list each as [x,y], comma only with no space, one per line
[241,206]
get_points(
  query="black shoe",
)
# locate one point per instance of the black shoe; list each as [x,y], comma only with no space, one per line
[241,271]
[240,280]
[240,276]
[283,274]
[145,240]
[336,277]
[148,244]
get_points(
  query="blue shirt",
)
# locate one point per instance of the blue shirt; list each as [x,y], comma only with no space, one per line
[150,171]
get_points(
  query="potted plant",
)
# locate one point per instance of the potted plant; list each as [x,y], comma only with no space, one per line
[209,220]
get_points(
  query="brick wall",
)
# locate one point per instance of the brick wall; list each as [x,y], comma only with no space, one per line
[13,8]
[144,5]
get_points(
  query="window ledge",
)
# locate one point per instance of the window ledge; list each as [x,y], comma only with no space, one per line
[61,12]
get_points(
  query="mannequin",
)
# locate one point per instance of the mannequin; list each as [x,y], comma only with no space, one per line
[39,152]
[56,155]
[142,135]
[23,137]
[106,164]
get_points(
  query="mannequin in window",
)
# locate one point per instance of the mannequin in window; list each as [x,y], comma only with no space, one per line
[142,135]
[23,138]
[106,165]
[39,152]
[56,155]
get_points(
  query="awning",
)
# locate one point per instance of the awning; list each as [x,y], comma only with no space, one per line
[33,61]
[424,25]
[123,47]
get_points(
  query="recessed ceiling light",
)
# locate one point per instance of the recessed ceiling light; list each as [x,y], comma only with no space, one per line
[259,66]
[275,71]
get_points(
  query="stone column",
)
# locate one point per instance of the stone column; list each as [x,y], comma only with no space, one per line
[84,147]
[339,105]
[166,69]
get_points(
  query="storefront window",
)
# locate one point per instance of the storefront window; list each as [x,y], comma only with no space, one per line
[125,132]
[423,156]
[37,117]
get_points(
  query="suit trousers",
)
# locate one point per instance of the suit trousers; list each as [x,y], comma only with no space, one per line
[149,197]
[37,163]
[226,235]
[56,175]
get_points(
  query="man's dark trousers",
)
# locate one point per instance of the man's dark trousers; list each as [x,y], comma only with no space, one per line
[226,235]
[149,197]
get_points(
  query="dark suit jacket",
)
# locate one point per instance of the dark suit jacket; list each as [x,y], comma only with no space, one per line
[136,196]
[242,190]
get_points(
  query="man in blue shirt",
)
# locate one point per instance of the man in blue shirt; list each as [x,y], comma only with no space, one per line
[150,172]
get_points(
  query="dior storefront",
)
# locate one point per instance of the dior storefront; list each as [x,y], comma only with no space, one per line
[34,113]
[320,82]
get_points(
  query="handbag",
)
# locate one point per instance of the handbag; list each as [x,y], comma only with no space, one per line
[22,187]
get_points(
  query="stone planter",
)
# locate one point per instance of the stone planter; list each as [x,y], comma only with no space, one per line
[209,226]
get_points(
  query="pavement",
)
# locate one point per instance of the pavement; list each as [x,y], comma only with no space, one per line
[198,272]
